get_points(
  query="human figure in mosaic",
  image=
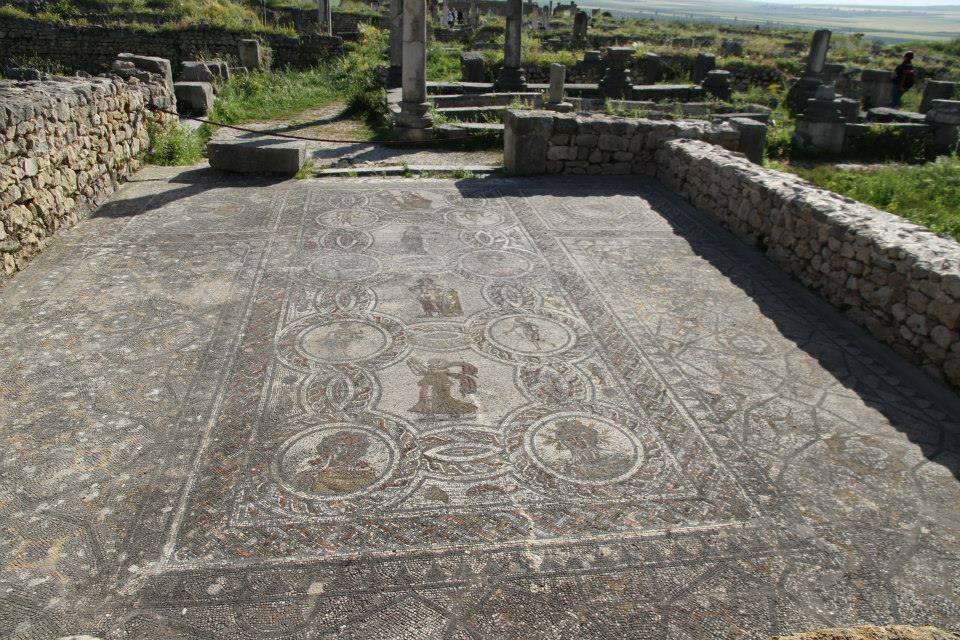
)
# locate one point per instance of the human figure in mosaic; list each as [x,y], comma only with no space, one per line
[412,241]
[437,301]
[436,383]
[339,465]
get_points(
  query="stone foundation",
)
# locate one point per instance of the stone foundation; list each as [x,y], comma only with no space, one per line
[895,278]
[67,144]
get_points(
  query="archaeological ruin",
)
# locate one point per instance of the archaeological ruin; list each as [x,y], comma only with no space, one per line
[614,375]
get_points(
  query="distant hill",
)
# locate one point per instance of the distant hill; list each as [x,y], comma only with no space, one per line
[881,22]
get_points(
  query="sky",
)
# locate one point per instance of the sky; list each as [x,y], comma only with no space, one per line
[875,3]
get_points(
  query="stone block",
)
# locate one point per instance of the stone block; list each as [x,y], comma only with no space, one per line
[944,112]
[194,71]
[936,90]
[151,64]
[250,54]
[473,67]
[526,136]
[258,155]
[753,138]
[194,98]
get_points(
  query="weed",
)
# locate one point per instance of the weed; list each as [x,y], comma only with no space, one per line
[306,171]
[174,144]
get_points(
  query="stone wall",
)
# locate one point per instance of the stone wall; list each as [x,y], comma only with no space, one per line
[541,142]
[93,48]
[895,278]
[66,144]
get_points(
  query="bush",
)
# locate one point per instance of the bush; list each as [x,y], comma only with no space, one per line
[174,144]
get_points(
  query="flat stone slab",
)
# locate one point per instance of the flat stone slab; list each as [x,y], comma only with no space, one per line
[241,407]
[257,155]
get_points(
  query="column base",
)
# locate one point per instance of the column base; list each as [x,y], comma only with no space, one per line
[559,107]
[511,79]
[412,118]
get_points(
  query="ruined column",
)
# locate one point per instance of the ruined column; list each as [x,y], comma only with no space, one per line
[944,118]
[877,88]
[936,90]
[395,72]
[413,121]
[511,76]
[555,102]
[580,27]
[818,52]
[717,84]
[822,125]
[651,68]
[703,64]
[616,82]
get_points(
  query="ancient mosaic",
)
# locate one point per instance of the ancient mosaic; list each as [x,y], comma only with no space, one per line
[471,410]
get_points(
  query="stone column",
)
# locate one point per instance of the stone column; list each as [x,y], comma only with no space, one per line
[936,90]
[395,72]
[717,83]
[580,27]
[413,121]
[616,82]
[822,125]
[877,88]
[818,52]
[555,102]
[651,68]
[944,117]
[703,64]
[250,55]
[511,76]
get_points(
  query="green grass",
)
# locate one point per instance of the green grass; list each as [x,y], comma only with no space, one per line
[174,145]
[926,194]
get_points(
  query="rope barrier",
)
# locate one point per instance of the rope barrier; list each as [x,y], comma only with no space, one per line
[278,134]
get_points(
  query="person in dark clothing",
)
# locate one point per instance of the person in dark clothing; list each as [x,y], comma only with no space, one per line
[904,77]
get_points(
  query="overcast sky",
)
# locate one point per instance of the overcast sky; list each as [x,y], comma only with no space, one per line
[885,3]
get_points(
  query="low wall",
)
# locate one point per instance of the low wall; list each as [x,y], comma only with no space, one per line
[94,48]
[895,278]
[69,142]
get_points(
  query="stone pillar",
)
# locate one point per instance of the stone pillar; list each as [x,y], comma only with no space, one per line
[580,27]
[935,90]
[395,72]
[413,121]
[651,68]
[555,101]
[474,13]
[877,88]
[944,117]
[717,83]
[526,135]
[473,67]
[818,52]
[849,109]
[616,82]
[822,125]
[831,74]
[753,138]
[250,55]
[511,76]
[703,64]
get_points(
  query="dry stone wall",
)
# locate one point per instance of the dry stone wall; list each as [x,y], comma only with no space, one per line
[897,279]
[93,48]
[67,143]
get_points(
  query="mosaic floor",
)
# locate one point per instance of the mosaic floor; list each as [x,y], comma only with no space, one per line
[431,409]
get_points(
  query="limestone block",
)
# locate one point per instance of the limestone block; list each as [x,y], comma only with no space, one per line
[195,98]
[258,155]
[193,71]
[473,67]
[936,90]
[526,137]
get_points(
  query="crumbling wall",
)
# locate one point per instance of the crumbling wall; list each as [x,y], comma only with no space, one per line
[67,143]
[93,48]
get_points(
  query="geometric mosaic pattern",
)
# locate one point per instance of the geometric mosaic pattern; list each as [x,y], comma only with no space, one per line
[435,409]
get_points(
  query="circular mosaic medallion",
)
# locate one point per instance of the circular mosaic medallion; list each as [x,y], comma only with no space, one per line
[372,341]
[336,460]
[464,452]
[749,344]
[527,334]
[352,218]
[344,341]
[474,216]
[583,448]
[346,240]
[345,267]
[596,450]
[496,263]
[340,467]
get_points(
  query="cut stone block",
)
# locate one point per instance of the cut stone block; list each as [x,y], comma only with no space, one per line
[258,155]
[195,98]
[151,64]
[194,71]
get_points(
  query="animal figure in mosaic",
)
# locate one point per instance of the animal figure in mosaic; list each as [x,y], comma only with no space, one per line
[339,465]
[588,457]
[436,300]
[531,334]
[436,378]
[412,241]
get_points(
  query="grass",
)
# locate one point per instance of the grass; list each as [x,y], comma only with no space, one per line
[174,145]
[926,194]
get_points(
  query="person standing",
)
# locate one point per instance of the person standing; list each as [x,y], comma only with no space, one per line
[904,77]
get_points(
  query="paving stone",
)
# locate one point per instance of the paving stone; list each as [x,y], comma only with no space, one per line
[236,407]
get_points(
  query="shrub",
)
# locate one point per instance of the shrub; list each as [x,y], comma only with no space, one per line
[9,11]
